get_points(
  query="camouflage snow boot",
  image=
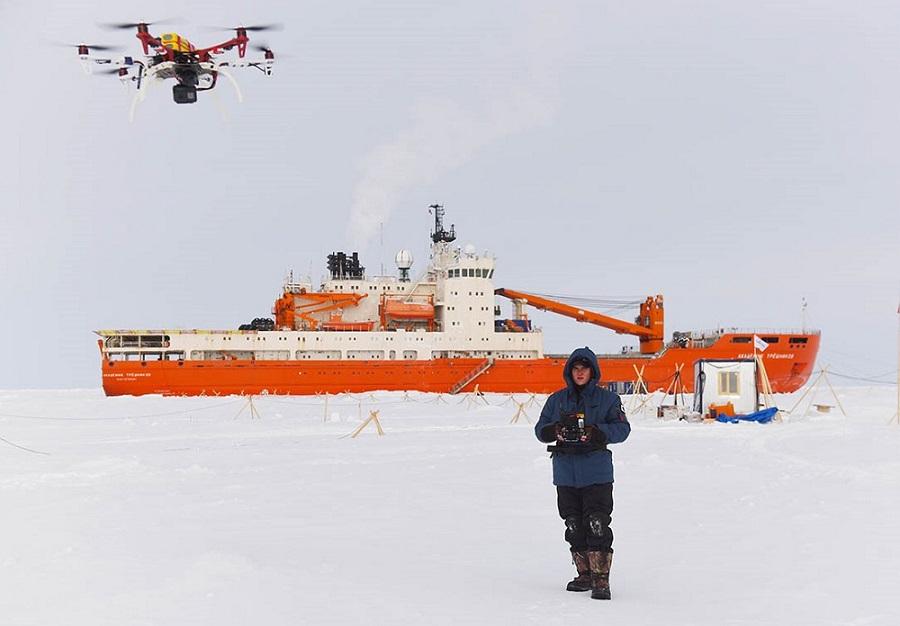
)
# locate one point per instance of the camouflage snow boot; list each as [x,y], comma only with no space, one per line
[600,562]
[582,582]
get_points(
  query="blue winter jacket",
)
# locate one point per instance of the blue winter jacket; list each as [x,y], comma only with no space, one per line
[601,408]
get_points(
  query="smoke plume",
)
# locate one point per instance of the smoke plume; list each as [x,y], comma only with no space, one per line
[444,134]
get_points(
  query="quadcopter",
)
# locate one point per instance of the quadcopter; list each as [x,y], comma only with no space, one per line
[171,56]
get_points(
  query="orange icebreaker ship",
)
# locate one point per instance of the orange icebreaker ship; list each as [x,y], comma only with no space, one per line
[441,333]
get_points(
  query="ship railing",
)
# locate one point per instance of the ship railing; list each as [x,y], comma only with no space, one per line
[751,331]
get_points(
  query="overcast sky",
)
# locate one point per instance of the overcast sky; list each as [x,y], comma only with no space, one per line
[734,157]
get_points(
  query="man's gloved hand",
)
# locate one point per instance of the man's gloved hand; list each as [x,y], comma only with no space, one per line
[550,432]
[560,436]
[592,434]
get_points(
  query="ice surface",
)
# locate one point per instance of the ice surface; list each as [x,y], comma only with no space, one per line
[178,511]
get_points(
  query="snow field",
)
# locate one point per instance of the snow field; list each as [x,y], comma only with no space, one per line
[183,511]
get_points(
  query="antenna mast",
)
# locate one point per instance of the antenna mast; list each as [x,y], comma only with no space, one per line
[439,234]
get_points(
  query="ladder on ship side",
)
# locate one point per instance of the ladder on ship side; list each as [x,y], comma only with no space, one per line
[475,373]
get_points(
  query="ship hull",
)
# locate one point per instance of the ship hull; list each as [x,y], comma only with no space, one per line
[787,365]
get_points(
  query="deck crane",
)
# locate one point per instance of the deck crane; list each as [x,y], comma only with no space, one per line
[648,327]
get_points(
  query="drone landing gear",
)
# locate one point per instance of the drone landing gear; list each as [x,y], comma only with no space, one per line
[143,84]
[231,79]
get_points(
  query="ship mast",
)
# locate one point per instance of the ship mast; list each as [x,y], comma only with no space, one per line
[441,238]
[439,234]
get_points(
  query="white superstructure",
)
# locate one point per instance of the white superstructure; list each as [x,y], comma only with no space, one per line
[448,313]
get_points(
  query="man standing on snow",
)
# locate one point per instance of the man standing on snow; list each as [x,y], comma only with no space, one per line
[582,419]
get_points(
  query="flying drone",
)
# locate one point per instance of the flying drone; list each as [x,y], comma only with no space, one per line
[172,56]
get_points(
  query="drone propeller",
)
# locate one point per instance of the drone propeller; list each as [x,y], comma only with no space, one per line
[133,25]
[101,48]
[267,50]
[263,27]
[250,29]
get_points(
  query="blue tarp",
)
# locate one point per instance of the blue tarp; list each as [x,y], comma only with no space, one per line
[762,417]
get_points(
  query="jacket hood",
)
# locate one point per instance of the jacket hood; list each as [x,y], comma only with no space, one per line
[582,353]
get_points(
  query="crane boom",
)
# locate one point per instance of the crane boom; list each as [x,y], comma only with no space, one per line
[648,327]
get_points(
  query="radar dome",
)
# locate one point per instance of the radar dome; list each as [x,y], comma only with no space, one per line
[469,250]
[404,260]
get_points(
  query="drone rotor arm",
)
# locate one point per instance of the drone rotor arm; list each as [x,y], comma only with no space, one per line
[263,65]
[118,62]
[219,48]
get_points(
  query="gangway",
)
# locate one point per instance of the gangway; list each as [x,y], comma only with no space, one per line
[475,373]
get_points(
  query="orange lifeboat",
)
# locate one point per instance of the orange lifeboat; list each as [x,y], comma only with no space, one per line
[405,313]
[408,311]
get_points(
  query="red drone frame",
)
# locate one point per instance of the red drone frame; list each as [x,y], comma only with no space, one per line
[172,56]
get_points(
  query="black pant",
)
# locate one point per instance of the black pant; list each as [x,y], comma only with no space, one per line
[587,512]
